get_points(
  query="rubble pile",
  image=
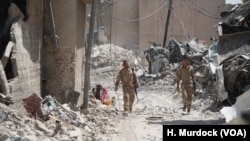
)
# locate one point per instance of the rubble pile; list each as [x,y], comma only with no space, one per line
[157,58]
[163,75]
[63,122]
[221,69]
[109,54]
[229,55]
[236,75]
[159,61]
[204,96]
[194,48]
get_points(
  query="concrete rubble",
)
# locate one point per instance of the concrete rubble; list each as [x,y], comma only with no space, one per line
[229,63]
[221,72]
[221,69]
[222,66]
[163,79]
[158,99]
[103,56]
[59,122]
[198,53]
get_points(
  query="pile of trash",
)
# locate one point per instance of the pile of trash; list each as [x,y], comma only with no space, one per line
[47,119]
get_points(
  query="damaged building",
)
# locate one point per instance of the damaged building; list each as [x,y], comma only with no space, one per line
[229,56]
[225,62]
[137,26]
[42,49]
[21,34]
[229,60]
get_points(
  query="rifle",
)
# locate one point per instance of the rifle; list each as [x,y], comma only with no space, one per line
[134,83]
[194,88]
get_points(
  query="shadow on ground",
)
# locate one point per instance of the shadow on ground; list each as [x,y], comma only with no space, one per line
[190,122]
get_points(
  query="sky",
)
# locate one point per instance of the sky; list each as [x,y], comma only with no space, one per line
[234,1]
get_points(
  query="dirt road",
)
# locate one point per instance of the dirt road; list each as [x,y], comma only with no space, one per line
[156,109]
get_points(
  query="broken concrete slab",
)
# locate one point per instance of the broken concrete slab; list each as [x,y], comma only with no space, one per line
[3,80]
[235,111]
[6,54]
[6,99]
[40,126]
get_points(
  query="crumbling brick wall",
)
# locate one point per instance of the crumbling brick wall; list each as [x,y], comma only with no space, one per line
[62,66]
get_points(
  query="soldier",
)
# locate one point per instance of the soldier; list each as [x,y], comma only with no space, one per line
[186,75]
[129,84]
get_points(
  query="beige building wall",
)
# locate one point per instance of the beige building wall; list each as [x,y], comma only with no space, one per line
[152,27]
[186,21]
[62,66]
[125,33]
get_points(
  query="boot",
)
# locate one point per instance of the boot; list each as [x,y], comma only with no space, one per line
[130,110]
[184,109]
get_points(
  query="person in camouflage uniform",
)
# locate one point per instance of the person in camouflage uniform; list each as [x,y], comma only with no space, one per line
[129,84]
[186,74]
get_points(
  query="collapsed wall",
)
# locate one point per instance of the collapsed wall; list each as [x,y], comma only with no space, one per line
[21,34]
[30,61]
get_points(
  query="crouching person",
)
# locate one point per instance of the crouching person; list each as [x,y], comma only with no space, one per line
[101,93]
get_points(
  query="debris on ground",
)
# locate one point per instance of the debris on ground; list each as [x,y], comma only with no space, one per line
[47,119]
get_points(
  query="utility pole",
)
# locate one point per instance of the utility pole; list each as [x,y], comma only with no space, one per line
[167,23]
[88,55]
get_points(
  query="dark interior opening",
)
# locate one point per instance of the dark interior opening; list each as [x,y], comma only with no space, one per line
[5,28]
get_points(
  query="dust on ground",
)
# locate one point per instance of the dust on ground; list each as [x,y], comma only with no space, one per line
[158,105]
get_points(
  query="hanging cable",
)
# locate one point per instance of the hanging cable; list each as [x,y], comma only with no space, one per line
[209,12]
[201,12]
[181,22]
[145,17]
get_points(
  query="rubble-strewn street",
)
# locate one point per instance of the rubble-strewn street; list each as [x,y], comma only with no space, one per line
[158,103]
[61,61]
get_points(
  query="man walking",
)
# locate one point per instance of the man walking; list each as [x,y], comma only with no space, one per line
[186,75]
[129,84]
